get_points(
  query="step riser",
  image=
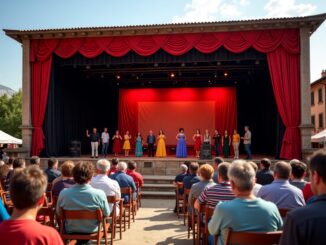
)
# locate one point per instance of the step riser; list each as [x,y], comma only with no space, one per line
[158,182]
[158,189]
[157,197]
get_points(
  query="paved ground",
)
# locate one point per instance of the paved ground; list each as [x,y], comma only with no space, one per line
[156,224]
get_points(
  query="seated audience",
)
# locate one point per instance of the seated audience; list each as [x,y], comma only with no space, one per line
[256,186]
[66,180]
[4,169]
[18,165]
[217,161]
[103,182]
[206,172]
[182,173]
[27,190]
[124,180]
[246,212]
[131,171]
[298,172]
[280,191]
[113,168]
[219,192]
[306,225]
[265,176]
[52,171]
[3,212]
[192,177]
[307,193]
[35,160]
[82,196]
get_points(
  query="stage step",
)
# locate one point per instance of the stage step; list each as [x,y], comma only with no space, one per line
[158,179]
[158,194]
[158,187]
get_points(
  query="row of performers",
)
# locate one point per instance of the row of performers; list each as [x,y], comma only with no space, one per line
[181,148]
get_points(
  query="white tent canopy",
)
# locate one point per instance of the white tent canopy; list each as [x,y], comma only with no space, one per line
[319,137]
[8,139]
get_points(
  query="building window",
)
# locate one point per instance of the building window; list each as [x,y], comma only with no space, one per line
[321,120]
[312,98]
[320,95]
[313,120]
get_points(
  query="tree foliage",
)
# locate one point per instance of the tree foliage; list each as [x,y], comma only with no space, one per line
[11,114]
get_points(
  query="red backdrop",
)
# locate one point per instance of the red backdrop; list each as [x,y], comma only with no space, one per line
[224,110]
[281,46]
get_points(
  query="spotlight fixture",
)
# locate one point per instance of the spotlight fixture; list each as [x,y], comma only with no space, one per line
[209,82]
[172,75]
[118,77]
[226,73]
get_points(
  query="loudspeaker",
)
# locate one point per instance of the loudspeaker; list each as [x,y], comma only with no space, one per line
[206,151]
[75,148]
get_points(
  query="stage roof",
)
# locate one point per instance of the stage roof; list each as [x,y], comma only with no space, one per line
[312,22]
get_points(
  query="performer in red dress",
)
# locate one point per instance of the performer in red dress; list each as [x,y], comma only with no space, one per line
[198,140]
[116,143]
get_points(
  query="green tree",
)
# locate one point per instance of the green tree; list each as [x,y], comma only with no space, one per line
[11,114]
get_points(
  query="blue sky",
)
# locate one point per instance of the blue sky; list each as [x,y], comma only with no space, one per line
[35,14]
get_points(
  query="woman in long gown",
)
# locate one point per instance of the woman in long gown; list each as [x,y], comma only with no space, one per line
[126,144]
[160,146]
[139,145]
[116,143]
[181,151]
[197,138]
[226,142]
[217,140]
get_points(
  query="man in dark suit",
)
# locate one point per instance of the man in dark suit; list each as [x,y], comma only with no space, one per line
[150,143]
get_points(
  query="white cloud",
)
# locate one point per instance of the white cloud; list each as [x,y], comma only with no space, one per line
[288,8]
[210,10]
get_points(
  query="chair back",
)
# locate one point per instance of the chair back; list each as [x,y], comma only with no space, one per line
[127,191]
[253,238]
[283,212]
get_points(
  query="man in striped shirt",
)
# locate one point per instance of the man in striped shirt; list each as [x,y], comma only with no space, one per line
[217,193]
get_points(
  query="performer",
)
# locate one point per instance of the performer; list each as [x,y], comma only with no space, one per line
[160,146]
[116,143]
[105,142]
[126,145]
[235,143]
[181,150]
[217,141]
[150,143]
[247,142]
[226,142]
[139,145]
[207,137]
[198,140]
[95,141]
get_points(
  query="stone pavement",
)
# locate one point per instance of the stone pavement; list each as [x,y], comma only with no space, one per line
[155,224]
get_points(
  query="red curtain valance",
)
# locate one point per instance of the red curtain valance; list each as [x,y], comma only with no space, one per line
[174,44]
[281,46]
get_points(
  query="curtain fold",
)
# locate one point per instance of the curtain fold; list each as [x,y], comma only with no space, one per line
[282,46]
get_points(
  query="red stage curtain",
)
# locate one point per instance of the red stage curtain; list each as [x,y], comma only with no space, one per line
[265,41]
[284,70]
[40,86]
[224,99]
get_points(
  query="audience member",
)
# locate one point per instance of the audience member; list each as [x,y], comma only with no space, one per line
[52,171]
[220,192]
[4,169]
[82,196]
[66,180]
[265,176]
[192,177]
[18,165]
[280,191]
[35,160]
[217,161]
[124,180]
[182,173]
[245,212]
[298,172]
[103,182]
[306,225]
[113,168]
[3,212]
[257,186]
[27,190]
[131,171]
[206,172]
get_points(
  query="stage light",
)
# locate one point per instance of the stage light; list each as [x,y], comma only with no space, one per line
[88,67]
[118,77]
[209,81]
[155,64]
[118,83]
[218,63]
[172,75]
[137,77]
[149,82]
[215,75]
[183,64]
[257,62]
[226,73]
